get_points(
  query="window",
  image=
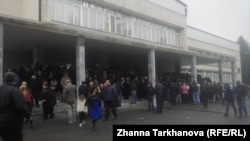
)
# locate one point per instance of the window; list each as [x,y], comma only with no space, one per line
[129,22]
[140,29]
[124,25]
[148,31]
[161,35]
[59,9]
[153,33]
[113,24]
[99,17]
[106,21]
[85,17]
[68,12]
[157,34]
[118,25]
[177,39]
[170,36]
[135,28]
[92,17]
[86,14]
[76,14]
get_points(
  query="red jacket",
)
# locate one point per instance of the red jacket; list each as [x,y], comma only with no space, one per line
[28,97]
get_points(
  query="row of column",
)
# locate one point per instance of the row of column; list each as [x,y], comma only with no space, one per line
[220,68]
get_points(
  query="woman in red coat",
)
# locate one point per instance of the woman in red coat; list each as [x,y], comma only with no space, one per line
[27,99]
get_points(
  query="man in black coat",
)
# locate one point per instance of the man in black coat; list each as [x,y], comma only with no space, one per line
[108,99]
[83,90]
[150,96]
[13,110]
[159,96]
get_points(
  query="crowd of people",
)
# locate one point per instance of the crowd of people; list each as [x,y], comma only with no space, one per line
[104,89]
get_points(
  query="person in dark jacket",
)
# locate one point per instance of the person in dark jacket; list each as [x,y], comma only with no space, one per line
[173,93]
[159,96]
[46,100]
[94,107]
[83,90]
[194,92]
[34,86]
[52,100]
[13,110]
[241,93]
[205,91]
[229,99]
[150,96]
[108,95]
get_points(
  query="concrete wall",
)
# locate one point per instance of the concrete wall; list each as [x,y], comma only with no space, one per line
[209,46]
[153,10]
[171,5]
[26,9]
[211,39]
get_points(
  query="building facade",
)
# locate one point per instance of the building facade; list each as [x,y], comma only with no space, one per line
[30,30]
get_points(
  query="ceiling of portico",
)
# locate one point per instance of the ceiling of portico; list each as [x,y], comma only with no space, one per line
[20,38]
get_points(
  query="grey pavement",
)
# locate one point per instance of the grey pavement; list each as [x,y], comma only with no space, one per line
[58,130]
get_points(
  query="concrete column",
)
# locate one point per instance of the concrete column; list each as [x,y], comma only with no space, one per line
[80,61]
[220,62]
[151,66]
[233,73]
[1,53]
[193,69]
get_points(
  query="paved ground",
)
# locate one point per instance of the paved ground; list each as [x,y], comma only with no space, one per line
[57,129]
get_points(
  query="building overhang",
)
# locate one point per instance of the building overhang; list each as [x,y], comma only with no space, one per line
[212,55]
[71,30]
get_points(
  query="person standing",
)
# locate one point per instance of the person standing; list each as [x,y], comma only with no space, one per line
[28,100]
[229,99]
[205,90]
[70,97]
[172,93]
[241,93]
[83,90]
[81,109]
[194,92]
[150,96]
[178,96]
[159,96]
[108,99]
[13,110]
[133,92]
[94,107]
[46,100]
[64,83]
[52,100]
[34,86]
[184,93]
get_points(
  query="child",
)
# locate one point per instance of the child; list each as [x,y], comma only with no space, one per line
[82,109]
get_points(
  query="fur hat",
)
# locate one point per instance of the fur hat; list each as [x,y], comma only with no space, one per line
[10,77]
